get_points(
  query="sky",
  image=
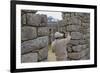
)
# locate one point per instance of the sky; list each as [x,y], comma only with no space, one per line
[55,15]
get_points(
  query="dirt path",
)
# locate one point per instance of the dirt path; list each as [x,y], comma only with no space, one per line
[51,55]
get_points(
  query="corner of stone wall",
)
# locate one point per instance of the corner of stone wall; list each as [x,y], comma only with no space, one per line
[34,36]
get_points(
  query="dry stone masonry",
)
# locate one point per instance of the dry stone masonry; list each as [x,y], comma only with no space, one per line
[78,24]
[34,37]
[37,33]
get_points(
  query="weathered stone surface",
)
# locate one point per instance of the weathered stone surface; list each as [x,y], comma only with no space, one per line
[62,23]
[28,32]
[85,25]
[34,45]
[82,41]
[30,57]
[43,20]
[78,48]
[76,35]
[77,42]
[62,29]
[73,20]
[78,55]
[88,30]
[73,14]
[86,57]
[86,18]
[33,19]
[67,14]
[73,28]
[84,31]
[74,42]
[69,49]
[43,53]
[23,19]
[43,31]
[86,36]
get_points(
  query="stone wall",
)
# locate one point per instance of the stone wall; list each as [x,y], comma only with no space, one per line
[36,33]
[78,24]
[34,36]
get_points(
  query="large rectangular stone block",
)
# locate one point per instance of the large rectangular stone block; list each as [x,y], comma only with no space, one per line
[82,41]
[73,20]
[78,55]
[34,45]
[30,57]
[78,48]
[76,35]
[84,31]
[73,27]
[77,42]
[43,53]
[28,32]
[74,42]
[43,31]
[33,19]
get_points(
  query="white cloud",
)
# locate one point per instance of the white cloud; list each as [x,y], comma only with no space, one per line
[56,15]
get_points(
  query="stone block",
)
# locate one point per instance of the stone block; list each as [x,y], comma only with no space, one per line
[74,20]
[86,18]
[86,57]
[62,23]
[85,25]
[23,19]
[82,41]
[73,28]
[28,32]
[43,53]
[78,48]
[78,55]
[34,45]
[86,36]
[76,35]
[62,29]
[84,31]
[74,42]
[88,30]
[30,57]
[43,31]
[77,42]
[69,49]
[33,19]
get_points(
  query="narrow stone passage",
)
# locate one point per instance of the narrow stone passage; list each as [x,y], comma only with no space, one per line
[51,55]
